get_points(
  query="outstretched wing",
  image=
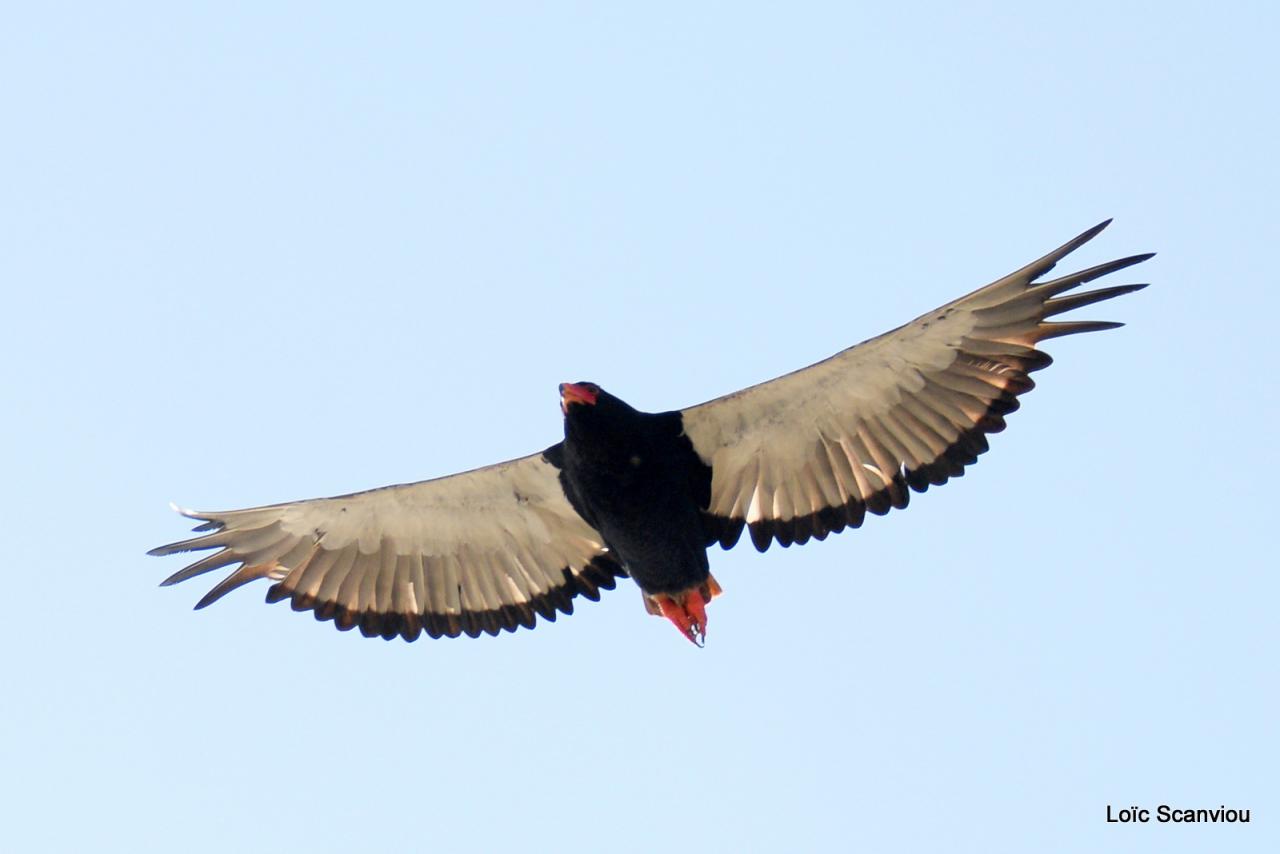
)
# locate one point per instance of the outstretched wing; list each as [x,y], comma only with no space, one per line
[481,551]
[811,452]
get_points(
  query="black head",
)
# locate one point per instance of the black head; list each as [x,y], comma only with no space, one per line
[589,409]
[578,395]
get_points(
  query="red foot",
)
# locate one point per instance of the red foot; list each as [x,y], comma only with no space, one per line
[687,609]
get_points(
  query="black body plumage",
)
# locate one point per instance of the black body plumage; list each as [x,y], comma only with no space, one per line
[635,478]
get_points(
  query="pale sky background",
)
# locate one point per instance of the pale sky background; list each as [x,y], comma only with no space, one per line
[257,252]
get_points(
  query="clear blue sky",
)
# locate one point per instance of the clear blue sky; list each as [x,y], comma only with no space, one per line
[252,254]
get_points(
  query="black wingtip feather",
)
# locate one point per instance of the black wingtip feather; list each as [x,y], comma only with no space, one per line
[760,536]
[1075,327]
[1059,305]
[208,599]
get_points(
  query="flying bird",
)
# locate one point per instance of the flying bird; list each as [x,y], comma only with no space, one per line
[645,495]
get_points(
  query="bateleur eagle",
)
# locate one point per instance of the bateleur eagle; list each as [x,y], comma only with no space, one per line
[646,494]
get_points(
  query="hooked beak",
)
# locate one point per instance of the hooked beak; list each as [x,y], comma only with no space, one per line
[575,393]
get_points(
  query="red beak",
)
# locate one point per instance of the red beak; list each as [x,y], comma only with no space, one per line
[576,393]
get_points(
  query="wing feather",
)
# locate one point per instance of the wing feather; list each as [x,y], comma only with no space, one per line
[483,551]
[811,452]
